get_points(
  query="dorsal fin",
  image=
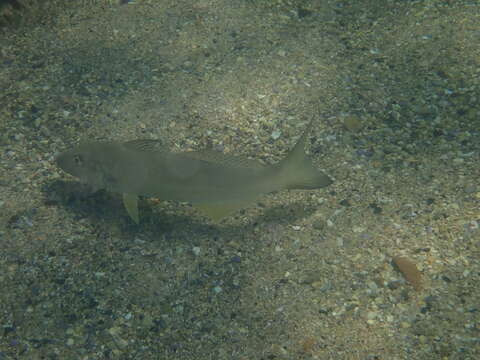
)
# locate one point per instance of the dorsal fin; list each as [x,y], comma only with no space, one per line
[217,157]
[146,145]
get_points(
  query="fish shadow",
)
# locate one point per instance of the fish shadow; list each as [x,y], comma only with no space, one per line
[82,201]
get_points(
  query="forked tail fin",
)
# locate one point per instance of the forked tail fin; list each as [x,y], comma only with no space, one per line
[297,169]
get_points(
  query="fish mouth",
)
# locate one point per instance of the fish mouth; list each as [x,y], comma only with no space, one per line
[63,161]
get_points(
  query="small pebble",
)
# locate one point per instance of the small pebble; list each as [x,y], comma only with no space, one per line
[372,315]
[352,123]
[276,134]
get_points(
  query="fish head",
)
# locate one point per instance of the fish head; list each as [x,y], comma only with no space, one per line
[83,163]
[73,161]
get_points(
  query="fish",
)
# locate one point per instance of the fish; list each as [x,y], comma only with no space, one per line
[215,183]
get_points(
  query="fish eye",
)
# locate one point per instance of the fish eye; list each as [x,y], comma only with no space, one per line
[78,159]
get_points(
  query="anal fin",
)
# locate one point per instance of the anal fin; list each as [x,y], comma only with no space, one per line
[217,211]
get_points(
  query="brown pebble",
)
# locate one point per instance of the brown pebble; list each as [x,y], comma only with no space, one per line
[409,271]
[308,344]
[352,123]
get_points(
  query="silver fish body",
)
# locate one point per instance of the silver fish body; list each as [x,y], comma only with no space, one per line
[217,183]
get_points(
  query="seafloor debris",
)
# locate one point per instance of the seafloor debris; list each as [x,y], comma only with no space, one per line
[409,271]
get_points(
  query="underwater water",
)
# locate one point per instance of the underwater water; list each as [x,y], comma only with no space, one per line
[381,264]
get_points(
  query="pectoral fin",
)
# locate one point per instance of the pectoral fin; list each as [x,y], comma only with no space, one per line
[130,202]
[217,211]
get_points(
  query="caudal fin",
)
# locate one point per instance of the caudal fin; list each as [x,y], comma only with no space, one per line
[298,170]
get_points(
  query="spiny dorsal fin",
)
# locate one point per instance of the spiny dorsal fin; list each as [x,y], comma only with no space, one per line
[146,145]
[217,157]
